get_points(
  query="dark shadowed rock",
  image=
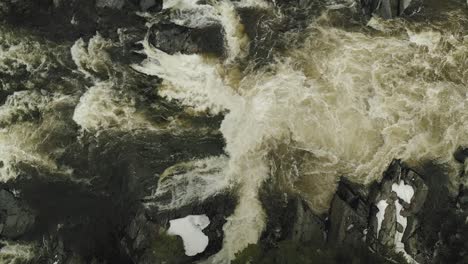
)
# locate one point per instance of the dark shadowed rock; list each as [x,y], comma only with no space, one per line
[172,38]
[461,154]
[306,225]
[16,218]
[117,4]
[348,216]
[289,218]
[69,20]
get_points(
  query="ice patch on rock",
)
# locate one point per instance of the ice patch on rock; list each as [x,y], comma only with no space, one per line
[404,191]
[190,229]
[381,205]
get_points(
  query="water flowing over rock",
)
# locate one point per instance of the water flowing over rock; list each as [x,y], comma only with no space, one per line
[329,131]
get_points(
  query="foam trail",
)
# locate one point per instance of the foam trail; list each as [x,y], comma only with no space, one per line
[12,253]
[102,108]
[20,136]
[191,182]
[189,74]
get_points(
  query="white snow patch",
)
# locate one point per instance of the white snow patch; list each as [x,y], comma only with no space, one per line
[190,229]
[381,205]
[403,191]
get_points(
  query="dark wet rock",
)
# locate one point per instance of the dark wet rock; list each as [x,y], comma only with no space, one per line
[461,154]
[289,218]
[172,38]
[70,20]
[16,218]
[117,4]
[307,226]
[348,216]
[151,5]
[388,8]
[138,236]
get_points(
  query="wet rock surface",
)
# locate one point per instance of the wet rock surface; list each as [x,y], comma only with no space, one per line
[172,38]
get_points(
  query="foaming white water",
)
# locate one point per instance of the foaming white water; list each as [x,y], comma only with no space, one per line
[430,39]
[192,14]
[20,137]
[191,182]
[92,57]
[16,53]
[237,41]
[13,253]
[16,147]
[343,104]
[103,107]
[189,79]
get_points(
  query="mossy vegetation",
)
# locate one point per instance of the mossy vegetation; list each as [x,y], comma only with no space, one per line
[293,252]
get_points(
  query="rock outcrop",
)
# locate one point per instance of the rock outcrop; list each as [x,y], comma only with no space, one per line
[405,192]
[172,38]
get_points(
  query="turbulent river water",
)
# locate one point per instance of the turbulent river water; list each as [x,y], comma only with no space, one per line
[334,97]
